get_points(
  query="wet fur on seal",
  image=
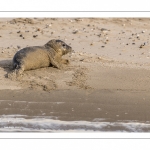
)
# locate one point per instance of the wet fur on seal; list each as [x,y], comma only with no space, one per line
[41,56]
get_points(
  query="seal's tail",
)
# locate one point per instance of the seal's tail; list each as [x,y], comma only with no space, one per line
[15,66]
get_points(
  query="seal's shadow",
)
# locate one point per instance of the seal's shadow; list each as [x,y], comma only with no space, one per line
[6,65]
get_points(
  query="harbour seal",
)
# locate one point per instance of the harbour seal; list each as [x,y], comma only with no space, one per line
[41,56]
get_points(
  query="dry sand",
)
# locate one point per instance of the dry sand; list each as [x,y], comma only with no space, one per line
[108,77]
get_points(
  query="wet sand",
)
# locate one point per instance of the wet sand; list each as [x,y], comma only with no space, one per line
[104,88]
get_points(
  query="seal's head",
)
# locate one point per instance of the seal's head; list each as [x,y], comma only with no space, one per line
[59,46]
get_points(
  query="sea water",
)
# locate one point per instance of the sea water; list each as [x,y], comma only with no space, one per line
[23,123]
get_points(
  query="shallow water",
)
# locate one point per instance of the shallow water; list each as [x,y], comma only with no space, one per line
[23,123]
[74,111]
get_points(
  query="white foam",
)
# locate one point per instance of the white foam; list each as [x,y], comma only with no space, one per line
[47,124]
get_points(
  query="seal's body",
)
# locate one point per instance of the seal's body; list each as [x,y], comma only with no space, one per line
[41,56]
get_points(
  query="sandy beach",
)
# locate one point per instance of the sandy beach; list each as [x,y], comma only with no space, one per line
[106,86]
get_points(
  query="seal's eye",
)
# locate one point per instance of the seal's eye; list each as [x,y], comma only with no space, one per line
[64,45]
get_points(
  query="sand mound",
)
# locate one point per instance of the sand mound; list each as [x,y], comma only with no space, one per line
[22,20]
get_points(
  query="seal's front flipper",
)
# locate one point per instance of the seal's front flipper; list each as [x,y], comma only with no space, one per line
[65,61]
[56,64]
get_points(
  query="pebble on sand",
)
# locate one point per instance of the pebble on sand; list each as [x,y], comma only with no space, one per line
[91,44]
[18,47]
[76,31]
[141,46]
[35,36]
